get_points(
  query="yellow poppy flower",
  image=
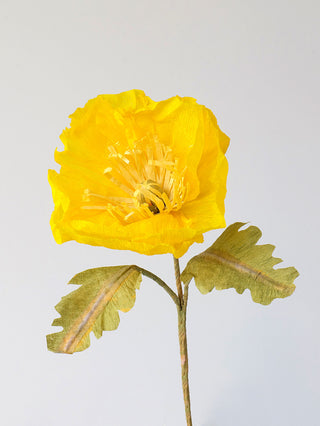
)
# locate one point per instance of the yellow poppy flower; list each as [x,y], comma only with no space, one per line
[140,175]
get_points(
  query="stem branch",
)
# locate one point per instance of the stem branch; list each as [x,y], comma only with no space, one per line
[159,281]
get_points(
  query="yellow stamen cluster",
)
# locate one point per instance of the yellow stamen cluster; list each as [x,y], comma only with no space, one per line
[149,174]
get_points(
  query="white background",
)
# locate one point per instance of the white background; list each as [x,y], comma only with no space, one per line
[256,65]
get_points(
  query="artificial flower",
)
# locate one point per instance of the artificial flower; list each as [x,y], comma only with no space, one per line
[140,175]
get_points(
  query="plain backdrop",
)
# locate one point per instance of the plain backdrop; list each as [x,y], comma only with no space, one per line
[256,65]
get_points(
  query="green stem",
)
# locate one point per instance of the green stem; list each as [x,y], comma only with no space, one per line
[182,320]
[159,281]
[178,280]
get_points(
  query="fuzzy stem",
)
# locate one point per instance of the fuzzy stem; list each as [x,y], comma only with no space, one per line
[182,319]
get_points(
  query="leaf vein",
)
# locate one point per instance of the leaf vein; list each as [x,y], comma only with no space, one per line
[85,322]
[237,265]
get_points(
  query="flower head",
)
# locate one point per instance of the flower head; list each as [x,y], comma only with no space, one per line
[140,175]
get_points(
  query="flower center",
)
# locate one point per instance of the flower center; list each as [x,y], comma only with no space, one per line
[150,193]
[148,176]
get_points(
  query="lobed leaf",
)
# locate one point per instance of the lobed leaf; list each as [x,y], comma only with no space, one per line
[235,261]
[93,306]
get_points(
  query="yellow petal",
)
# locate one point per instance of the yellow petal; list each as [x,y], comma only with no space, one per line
[140,175]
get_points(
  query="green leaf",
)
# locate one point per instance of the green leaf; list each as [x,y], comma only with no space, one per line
[235,261]
[93,306]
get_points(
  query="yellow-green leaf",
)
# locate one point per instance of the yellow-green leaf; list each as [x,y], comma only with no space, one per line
[235,261]
[93,306]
